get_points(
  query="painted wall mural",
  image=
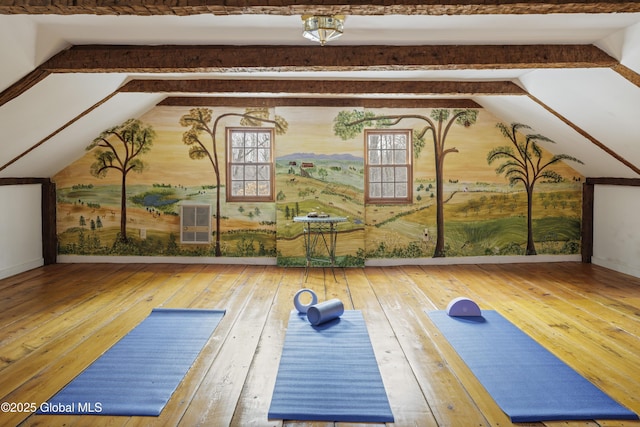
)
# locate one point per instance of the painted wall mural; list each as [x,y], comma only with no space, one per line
[478,186]
[319,172]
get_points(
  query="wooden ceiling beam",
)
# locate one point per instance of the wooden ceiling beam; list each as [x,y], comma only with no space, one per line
[296,7]
[627,73]
[230,59]
[217,101]
[23,85]
[222,58]
[333,87]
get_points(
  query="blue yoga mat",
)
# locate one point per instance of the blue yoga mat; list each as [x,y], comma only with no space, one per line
[329,373]
[138,375]
[528,382]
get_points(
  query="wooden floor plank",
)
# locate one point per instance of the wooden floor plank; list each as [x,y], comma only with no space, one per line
[255,399]
[621,314]
[27,310]
[448,400]
[219,391]
[55,320]
[408,403]
[41,328]
[37,277]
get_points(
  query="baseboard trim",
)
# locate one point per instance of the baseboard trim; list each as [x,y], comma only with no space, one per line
[72,259]
[515,259]
[378,262]
[21,268]
[621,268]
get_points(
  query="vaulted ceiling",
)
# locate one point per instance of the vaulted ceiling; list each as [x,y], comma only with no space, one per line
[569,69]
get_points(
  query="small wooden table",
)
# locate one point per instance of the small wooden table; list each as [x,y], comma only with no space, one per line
[320,229]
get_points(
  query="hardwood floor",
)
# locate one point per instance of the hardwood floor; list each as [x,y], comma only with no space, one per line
[57,319]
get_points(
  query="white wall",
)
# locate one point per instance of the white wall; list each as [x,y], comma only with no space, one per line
[20,228]
[616,234]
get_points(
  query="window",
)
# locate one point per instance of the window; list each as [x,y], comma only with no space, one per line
[250,165]
[195,221]
[388,166]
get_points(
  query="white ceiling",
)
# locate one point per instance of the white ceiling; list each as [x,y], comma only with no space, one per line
[599,102]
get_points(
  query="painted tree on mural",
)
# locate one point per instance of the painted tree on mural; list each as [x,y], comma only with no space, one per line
[348,124]
[120,148]
[523,163]
[200,122]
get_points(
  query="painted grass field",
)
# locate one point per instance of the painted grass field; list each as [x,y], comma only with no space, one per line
[480,219]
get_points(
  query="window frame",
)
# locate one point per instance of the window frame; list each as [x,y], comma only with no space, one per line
[408,199]
[230,164]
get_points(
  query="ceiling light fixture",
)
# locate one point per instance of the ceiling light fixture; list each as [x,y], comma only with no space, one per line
[322,29]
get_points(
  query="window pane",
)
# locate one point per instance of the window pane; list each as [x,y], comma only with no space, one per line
[264,188]
[388,189]
[374,142]
[237,188]
[237,139]
[250,172]
[251,139]
[375,174]
[387,142]
[388,174]
[264,172]
[400,157]
[400,142]
[238,155]
[401,174]
[374,157]
[264,140]
[401,190]
[264,155]
[387,157]
[250,188]
[237,172]
[250,155]
[375,190]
